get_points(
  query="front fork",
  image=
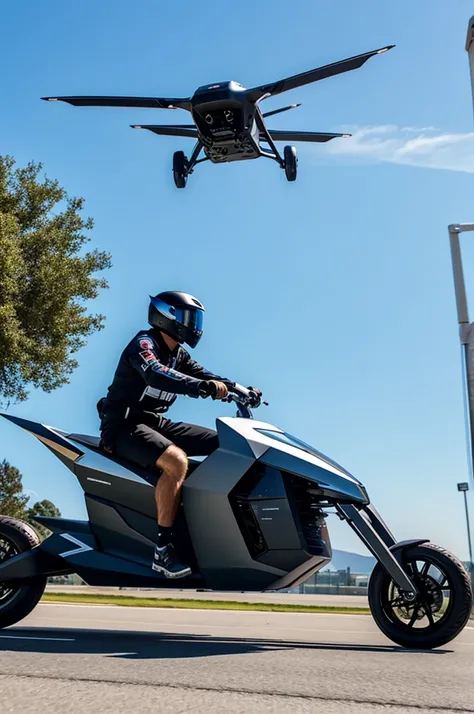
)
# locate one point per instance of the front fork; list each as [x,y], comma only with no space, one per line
[375,534]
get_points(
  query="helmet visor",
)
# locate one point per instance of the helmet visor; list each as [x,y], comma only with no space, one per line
[193,319]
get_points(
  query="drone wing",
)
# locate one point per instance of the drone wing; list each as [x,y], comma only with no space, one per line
[314,136]
[188,130]
[143,102]
[314,75]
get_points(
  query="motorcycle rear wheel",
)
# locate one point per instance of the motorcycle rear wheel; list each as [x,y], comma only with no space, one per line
[440,611]
[17,598]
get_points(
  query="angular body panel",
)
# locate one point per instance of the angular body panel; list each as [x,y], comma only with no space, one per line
[250,517]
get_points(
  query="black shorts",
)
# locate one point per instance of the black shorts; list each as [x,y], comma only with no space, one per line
[144,445]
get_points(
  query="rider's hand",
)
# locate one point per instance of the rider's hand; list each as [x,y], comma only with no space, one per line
[220,390]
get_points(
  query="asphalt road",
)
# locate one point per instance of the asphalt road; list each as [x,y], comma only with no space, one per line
[79,658]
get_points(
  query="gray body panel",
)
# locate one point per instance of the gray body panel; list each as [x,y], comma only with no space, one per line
[220,548]
[251,515]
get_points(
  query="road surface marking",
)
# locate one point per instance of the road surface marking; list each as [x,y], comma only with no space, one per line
[48,639]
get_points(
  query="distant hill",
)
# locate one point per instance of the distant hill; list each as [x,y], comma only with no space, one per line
[363,564]
[341,560]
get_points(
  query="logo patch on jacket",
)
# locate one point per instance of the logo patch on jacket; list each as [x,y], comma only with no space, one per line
[149,356]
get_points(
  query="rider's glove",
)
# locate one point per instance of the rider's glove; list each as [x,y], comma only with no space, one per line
[214,389]
[207,389]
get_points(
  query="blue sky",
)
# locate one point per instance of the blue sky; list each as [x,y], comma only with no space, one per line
[333,294]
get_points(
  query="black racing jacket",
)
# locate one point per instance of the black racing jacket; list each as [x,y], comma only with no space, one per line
[147,381]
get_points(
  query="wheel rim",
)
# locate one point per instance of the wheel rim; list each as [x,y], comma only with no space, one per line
[432,606]
[7,550]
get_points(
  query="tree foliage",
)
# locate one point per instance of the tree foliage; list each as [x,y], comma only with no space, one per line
[42,508]
[14,503]
[12,499]
[45,280]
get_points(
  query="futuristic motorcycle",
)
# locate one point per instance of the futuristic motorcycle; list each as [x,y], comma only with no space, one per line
[252,518]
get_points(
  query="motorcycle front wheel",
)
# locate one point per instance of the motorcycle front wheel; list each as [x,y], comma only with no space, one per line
[17,598]
[440,611]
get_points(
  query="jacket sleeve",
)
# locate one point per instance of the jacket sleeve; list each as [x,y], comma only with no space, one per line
[143,357]
[192,368]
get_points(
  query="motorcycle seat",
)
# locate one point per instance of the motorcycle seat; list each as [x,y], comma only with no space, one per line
[93,442]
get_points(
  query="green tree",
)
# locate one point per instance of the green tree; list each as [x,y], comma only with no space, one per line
[12,499]
[14,503]
[42,508]
[45,280]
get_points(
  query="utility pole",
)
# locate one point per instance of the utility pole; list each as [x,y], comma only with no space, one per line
[466,329]
[470,51]
[466,332]
[464,488]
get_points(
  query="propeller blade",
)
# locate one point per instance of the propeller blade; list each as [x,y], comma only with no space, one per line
[278,111]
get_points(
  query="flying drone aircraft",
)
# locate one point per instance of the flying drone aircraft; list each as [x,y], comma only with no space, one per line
[228,122]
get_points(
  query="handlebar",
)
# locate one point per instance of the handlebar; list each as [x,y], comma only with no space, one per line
[245,399]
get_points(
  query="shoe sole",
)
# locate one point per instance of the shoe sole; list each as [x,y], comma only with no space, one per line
[168,574]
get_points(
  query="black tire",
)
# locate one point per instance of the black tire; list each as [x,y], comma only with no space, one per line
[456,613]
[180,163]
[291,163]
[19,598]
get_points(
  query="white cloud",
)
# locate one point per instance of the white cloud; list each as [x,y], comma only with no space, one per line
[424,147]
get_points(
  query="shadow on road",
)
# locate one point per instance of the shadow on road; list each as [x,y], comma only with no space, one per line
[157,645]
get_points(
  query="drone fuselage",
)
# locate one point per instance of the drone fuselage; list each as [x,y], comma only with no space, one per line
[225,119]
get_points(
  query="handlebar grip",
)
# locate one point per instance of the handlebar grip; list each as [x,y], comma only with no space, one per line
[241,391]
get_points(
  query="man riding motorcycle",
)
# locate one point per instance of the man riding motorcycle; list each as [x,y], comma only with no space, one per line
[152,371]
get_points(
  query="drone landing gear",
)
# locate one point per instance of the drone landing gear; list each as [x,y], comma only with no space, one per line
[291,163]
[288,161]
[182,166]
[180,163]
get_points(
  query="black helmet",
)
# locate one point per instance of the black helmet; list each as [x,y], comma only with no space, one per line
[179,315]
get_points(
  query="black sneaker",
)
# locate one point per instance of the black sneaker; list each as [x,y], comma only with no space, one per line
[166,561]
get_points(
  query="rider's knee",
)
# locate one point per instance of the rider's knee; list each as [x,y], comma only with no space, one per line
[174,462]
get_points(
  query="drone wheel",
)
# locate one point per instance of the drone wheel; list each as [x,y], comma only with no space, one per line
[179,169]
[291,163]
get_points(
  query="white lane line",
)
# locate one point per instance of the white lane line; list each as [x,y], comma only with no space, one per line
[175,628]
[45,639]
[96,654]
